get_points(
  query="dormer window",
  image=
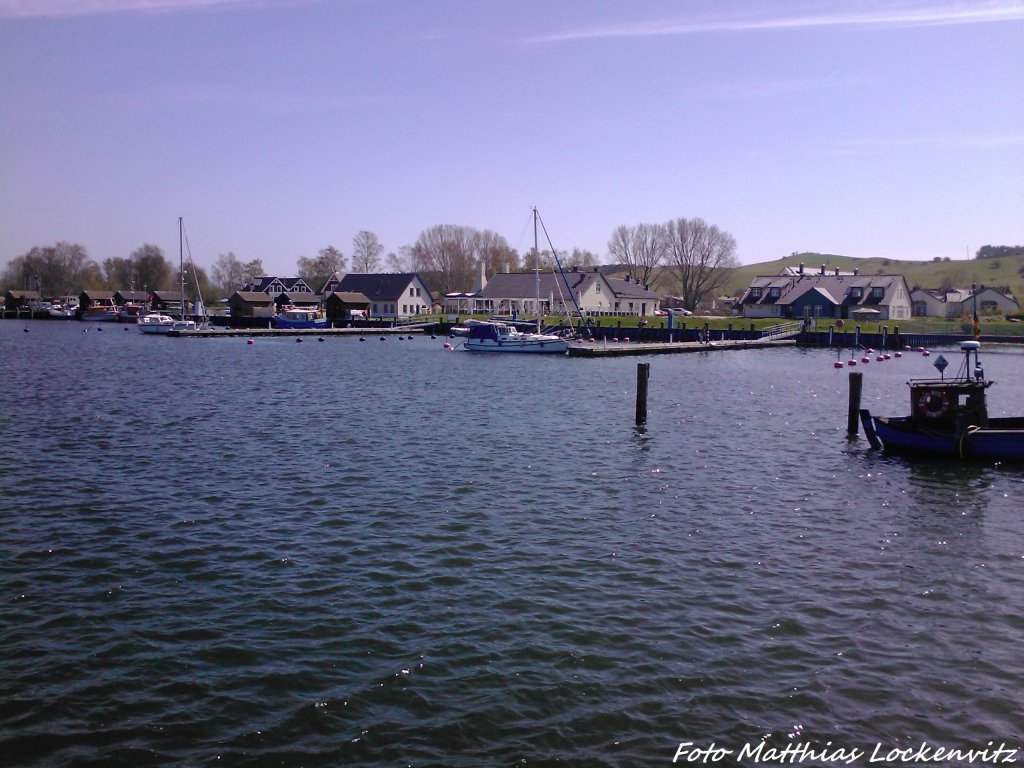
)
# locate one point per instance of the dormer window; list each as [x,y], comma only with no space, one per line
[755,293]
[855,293]
[774,292]
[877,292]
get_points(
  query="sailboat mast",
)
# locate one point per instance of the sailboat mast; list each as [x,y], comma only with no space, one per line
[536,264]
[181,267]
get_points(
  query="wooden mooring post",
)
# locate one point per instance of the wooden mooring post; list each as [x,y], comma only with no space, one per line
[643,372]
[856,384]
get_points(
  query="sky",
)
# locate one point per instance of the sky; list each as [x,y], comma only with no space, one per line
[278,127]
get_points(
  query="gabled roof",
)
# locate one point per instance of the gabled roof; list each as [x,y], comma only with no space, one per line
[631,289]
[523,285]
[837,288]
[264,282]
[167,295]
[132,295]
[348,297]
[93,295]
[382,286]
[300,297]
[252,297]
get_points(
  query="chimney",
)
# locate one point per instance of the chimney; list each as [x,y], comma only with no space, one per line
[856,271]
[837,271]
[823,269]
[801,267]
[481,276]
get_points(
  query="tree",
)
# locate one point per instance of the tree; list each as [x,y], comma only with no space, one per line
[495,252]
[318,270]
[366,251]
[229,273]
[119,273]
[53,270]
[151,269]
[251,270]
[581,258]
[449,250]
[401,262]
[701,255]
[641,249]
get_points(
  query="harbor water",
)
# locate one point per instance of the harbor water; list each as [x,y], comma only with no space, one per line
[383,553]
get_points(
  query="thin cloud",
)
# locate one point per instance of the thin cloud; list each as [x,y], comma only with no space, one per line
[56,9]
[910,16]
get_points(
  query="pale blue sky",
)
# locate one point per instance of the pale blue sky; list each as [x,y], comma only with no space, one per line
[279,127]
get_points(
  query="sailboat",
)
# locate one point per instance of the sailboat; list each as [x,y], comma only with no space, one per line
[162,324]
[498,336]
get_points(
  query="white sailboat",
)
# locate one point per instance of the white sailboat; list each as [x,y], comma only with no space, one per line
[496,336]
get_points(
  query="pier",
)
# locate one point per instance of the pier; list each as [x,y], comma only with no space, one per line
[624,348]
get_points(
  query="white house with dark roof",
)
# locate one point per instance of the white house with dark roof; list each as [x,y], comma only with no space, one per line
[828,294]
[955,302]
[389,294]
[274,286]
[509,293]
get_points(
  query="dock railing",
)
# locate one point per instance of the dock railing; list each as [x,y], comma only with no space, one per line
[781,331]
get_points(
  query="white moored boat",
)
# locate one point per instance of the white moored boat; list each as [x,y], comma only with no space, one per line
[156,323]
[499,337]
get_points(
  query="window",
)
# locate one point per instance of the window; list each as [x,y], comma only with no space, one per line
[774,292]
[855,293]
[877,292]
[755,293]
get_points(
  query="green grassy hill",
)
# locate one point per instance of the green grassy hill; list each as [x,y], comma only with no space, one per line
[1007,271]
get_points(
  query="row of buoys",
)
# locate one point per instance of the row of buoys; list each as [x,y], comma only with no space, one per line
[882,357]
[298,339]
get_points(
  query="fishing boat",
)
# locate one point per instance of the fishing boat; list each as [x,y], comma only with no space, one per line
[295,317]
[949,417]
[156,323]
[100,312]
[130,312]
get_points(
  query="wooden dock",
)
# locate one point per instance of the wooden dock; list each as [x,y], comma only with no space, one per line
[623,348]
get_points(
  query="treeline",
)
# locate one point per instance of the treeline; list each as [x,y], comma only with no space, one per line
[694,255]
[999,251]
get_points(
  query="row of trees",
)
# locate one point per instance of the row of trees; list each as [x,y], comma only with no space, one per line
[695,253]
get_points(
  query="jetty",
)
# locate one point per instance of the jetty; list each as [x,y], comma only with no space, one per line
[624,348]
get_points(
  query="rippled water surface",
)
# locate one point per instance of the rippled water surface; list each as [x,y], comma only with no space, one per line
[382,553]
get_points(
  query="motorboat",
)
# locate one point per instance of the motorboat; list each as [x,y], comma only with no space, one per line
[949,417]
[296,317]
[156,323]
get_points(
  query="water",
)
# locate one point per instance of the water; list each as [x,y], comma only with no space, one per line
[382,553]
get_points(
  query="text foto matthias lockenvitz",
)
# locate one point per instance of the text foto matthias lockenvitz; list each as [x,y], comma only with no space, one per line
[797,753]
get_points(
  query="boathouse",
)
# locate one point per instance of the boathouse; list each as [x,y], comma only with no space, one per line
[21,301]
[90,297]
[345,306]
[251,304]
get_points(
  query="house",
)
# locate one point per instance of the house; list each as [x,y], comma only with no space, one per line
[955,302]
[515,293]
[251,304]
[301,299]
[389,294]
[275,286]
[829,295]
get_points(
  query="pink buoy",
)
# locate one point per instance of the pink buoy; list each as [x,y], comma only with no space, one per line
[625,338]
[880,359]
[926,353]
[899,354]
[447,345]
[615,338]
[837,364]
[865,359]
[851,361]
[249,340]
[870,351]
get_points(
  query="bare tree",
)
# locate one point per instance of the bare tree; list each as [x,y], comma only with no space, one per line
[228,273]
[448,250]
[641,249]
[400,262]
[366,251]
[701,255]
[318,270]
[495,252]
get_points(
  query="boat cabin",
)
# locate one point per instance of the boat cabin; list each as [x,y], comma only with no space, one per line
[949,403]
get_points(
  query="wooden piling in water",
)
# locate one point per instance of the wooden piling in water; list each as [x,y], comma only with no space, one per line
[643,372]
[856,384]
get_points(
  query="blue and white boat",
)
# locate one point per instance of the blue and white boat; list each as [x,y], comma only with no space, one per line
[949,417]
[295,317]
[498,337]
